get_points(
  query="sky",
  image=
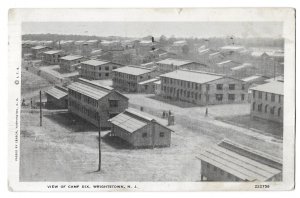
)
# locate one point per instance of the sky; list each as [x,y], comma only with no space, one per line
[156,29]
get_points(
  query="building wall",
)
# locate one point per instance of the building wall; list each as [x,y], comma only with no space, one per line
[61,103]
[89,109]
[52,59]
[262,104]
[204,94]
[97,73]
[213,173]
[153,136]
[37,53]
[129,82]
[67,64]
[148,88]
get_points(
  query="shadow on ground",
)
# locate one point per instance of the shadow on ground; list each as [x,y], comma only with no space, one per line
[174,102]
[116,142]
[71,121]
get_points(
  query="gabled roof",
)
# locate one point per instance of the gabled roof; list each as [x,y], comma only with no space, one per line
[39,47]
[244,65]
[133,70]
[238,165]
[53,52]
[254,77]
[148,81]
[132,120]
[175,62]
[57,93]
[193,76]
[275,87]
[232,47]
[71,57]
[95,62]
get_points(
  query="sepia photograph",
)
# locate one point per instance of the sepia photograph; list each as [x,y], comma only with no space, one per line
[199,101]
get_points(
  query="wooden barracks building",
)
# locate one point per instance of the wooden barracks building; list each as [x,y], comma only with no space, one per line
[202,88]
[52,57]
[127,78]
[37,51]
[97,69]
[70,62]
[231,161]
[90,100]
[140,130]
[267,101]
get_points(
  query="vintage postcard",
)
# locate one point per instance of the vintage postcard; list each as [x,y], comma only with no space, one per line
[151,99]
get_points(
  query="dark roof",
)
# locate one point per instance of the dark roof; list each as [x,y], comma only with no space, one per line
[133,70]
[275,87]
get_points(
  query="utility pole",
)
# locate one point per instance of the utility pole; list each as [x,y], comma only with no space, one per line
[99,146]
[41,108]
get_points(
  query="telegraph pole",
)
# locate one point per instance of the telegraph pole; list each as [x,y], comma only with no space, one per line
[99,146]
[41,108]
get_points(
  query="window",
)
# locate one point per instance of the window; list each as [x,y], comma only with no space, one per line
[107,68]
[266,96]
[231,96]
[113,103]
[106,74]
[253,92]
[222,172]
[99,74]
[207,98]
[219,97]
[272,110]
[207,87]
[144,135]
[279,99]
[266,109]
[273,97]
[260,95]
[259,107]
[279,111]
[243,87]
[215,168]
[219,86]
[114,67]
[99,68]
[231,86]
[161,134]
[243,97]
[253,106]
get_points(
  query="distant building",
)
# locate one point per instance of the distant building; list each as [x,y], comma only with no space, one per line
[147,86]
[37,51]
[140,130]
[57,97]
[176,47]
[26,48]
[111,45]
[202,88]
[52,57]
[70,62]
[230,161]
[98,69]
[230,49]
[127,78]
[170,64]
[255,80]
[267,101]
[90,101]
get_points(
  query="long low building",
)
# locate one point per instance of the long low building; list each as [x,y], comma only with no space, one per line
[98,69]
[140,129]
[37,51]
[202,88]
[94,102]
[267,101]
[170,64]
[230,161]
[127,78]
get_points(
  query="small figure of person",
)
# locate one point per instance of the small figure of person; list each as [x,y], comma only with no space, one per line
[206,112]
[31,103]
[170,113]
[164,114]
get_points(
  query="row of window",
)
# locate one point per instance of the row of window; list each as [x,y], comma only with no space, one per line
[126,76]
[161,134]
[266,109]
[75,94]
[86,67]
[266,97]
[124,82]
[94,74]
[88,112]
[90,101]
